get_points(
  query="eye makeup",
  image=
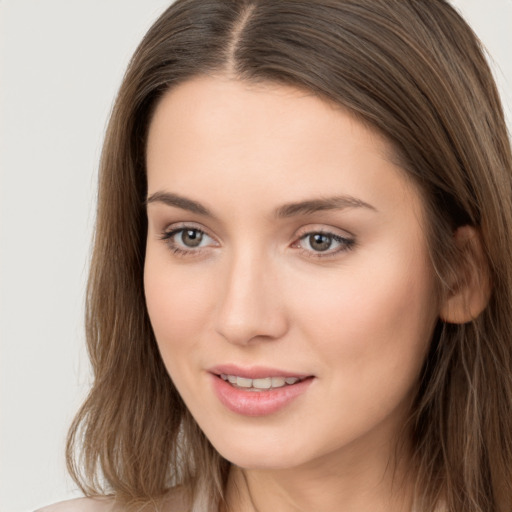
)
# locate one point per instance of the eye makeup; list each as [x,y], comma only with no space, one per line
[190,240]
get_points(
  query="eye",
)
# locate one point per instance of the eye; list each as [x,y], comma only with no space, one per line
[190,237]
[187,239]
[324,244]
[319,242]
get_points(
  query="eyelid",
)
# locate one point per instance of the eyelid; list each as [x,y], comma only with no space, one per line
[324,230]
[175,226]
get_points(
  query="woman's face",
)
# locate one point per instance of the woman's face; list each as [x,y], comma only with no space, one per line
[287,276]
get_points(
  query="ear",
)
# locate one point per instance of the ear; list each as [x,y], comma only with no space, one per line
[470,288]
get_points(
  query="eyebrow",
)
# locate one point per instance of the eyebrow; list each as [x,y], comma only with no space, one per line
[322,204]
[179,202]
[307,207]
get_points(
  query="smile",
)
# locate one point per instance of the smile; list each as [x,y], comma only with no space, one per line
[257,391]
[263,384]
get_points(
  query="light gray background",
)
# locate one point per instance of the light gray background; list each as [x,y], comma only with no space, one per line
[61,62]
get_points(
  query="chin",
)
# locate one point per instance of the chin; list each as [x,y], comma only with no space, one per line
[261,461]
[260,453]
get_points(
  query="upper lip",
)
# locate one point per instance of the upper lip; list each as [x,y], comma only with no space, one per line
[255,372]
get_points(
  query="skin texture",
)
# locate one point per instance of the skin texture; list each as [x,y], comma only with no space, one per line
[357,317]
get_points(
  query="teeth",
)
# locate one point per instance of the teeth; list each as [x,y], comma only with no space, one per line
[242,382]
[262,383]
[278,382]
[259,384]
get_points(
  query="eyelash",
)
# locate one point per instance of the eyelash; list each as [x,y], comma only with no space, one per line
[346,244]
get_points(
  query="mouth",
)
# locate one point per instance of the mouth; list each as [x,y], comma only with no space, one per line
[257,391]
[259,384]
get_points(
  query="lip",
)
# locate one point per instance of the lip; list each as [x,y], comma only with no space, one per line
[256,403]
[254,372]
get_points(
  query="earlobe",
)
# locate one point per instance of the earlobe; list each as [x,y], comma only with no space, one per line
[470,288]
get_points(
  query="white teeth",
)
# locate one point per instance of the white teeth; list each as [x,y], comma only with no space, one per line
[242,382]
[259,384]
[278,382]
[262,383]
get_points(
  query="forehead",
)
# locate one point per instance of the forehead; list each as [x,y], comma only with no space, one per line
[265,140]
[207,103]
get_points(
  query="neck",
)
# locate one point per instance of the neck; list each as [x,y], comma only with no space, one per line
[375,481]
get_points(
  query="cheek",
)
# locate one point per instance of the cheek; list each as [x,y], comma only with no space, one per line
[374,319]
[178,304]
[370,331]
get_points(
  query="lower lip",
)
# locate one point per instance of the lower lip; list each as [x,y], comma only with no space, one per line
[257,403]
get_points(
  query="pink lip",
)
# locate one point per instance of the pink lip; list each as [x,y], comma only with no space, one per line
[256,403]
[254,372]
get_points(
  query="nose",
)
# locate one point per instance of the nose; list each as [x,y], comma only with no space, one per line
[251,306]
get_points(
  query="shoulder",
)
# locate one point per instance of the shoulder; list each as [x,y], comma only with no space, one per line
[81,505]
[176,500]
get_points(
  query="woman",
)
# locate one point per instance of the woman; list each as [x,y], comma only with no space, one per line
[300,291]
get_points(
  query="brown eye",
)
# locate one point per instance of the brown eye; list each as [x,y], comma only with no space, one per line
[188,241]
[324,243]
[320,242]
[191,237]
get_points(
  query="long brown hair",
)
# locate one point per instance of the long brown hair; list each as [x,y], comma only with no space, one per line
[413,70]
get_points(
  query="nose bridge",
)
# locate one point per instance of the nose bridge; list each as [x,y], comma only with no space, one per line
[250,303]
